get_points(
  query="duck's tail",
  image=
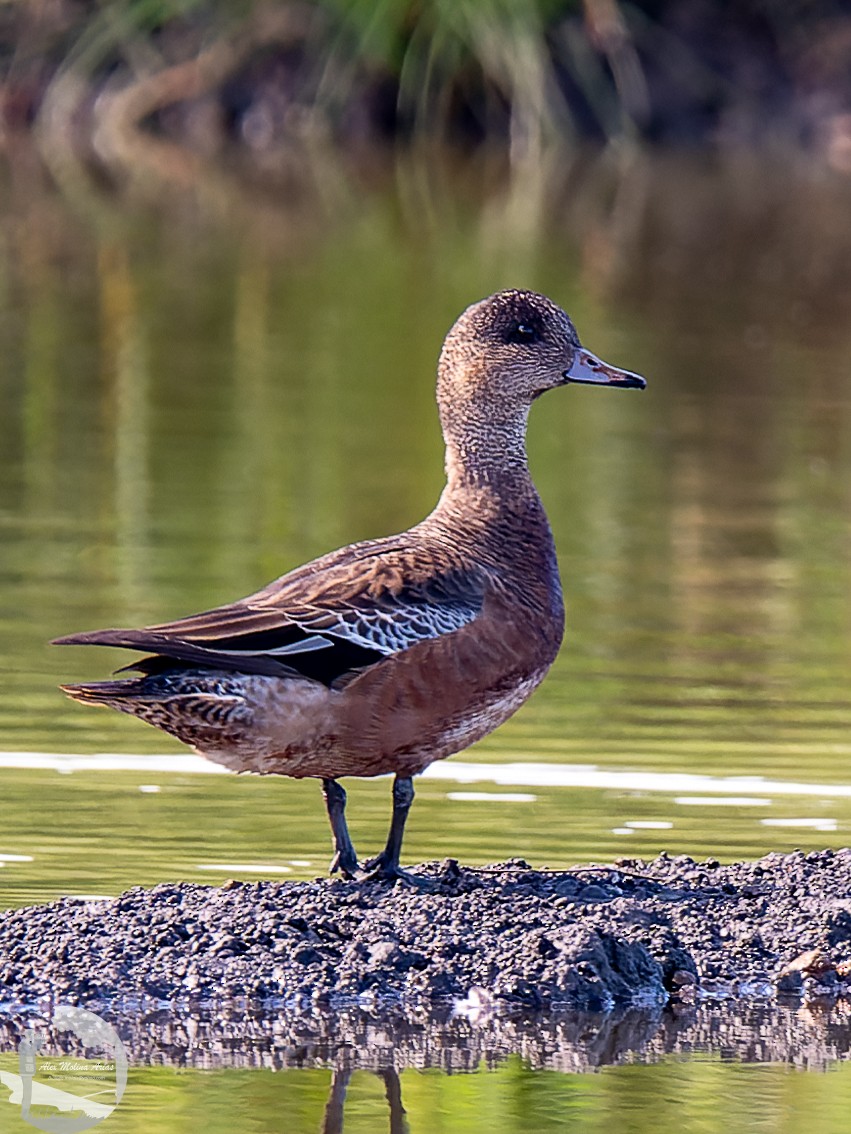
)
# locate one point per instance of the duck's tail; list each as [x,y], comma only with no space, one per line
[205,710]
[107,692]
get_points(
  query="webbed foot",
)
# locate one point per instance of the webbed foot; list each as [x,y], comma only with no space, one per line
[345,864]
[384,869]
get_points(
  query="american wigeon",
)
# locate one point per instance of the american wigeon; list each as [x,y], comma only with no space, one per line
[389,654]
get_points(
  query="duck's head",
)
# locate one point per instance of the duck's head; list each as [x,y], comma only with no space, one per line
[507,349]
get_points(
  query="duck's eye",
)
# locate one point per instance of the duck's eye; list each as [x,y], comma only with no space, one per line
[523,333]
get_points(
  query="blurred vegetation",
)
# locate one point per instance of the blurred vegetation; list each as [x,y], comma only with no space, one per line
[252,79]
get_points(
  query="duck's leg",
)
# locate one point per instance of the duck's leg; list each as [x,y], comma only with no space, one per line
[345,860]
[385,866]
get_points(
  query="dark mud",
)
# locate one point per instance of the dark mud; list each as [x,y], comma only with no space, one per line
[502,938]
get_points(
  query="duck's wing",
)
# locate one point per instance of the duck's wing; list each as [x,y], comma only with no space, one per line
[342,612]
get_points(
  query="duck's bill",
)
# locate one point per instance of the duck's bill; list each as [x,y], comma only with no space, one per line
[588,370]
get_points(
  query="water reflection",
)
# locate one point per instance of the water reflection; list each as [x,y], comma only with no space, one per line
[335,1109]
[244,1034]
[525,773]
[509,1074]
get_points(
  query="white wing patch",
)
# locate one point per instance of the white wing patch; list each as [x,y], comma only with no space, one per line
[302,646]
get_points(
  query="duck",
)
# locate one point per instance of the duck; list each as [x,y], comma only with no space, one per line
[388,654]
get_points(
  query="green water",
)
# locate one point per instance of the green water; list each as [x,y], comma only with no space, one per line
[513,1099]
[202,388]
[706,1095]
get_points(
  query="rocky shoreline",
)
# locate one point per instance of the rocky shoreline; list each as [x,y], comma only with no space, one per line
[501,938]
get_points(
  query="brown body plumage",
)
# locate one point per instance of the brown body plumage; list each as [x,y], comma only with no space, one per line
[389,654]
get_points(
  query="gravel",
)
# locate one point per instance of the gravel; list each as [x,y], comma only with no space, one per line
[505,937]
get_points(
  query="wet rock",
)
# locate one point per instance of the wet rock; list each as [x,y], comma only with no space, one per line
[593,894]
[683,987]
[789,982]
[813,962]
[837,925]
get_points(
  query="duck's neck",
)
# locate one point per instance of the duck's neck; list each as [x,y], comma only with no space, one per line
[488,487]
[488,453]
